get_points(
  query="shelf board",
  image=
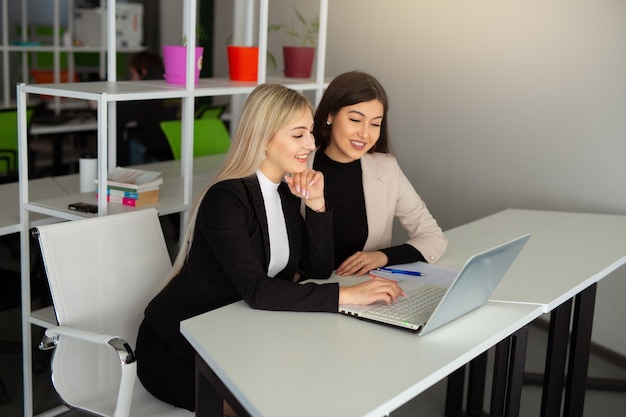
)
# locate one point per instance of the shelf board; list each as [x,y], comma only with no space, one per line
[170,200]
[117,91]
[156,89]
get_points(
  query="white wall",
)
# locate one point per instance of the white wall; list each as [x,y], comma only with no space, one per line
[171,22]
[501,104]
[496,104]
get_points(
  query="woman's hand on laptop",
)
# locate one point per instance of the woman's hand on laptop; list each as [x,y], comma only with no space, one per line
[373,290]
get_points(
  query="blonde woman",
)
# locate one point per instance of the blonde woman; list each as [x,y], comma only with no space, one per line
[247,240]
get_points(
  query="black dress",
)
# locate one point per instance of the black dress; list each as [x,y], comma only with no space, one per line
[228,262]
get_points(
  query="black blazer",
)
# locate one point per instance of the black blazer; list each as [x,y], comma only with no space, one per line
[229,259]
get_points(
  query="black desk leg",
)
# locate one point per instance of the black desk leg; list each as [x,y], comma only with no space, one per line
[500,372]
[475,389]
[211,393]
[580,345]
[454,393]
[555,360]
[517,362]
[506,390]
[476,386]
[508,375]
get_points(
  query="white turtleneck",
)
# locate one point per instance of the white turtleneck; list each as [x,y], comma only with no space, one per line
[279,242]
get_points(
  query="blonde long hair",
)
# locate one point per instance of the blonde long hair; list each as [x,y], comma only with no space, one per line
[268,108]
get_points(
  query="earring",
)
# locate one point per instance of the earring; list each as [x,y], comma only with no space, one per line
[328,123]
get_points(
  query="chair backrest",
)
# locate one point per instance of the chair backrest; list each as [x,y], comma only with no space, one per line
[102,273]
[210,136]
[210,111]
[9,140]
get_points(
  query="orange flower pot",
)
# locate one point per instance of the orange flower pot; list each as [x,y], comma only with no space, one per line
[243,63]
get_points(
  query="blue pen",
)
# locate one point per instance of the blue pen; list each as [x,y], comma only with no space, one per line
[402,271]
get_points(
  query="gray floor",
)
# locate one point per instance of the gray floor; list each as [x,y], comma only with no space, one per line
[430,403]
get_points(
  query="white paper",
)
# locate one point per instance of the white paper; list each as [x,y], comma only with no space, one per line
[435,274]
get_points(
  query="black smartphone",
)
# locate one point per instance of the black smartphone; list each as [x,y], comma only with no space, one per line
[84,207]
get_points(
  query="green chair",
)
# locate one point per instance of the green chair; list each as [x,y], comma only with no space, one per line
[210,111]
[9,144]
[210,136]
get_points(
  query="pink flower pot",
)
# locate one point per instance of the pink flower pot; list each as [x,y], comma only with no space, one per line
[174,61]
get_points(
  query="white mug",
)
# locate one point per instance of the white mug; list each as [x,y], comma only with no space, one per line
[88,169]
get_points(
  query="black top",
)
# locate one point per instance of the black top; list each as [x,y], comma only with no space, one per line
[229,258]
[343,186]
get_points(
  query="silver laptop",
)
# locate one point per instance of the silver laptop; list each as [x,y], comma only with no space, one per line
[428,306]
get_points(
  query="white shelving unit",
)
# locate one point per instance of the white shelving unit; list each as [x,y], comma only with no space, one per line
[7,49]
[176,193]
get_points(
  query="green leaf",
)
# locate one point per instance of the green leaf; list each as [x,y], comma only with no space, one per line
[302,30]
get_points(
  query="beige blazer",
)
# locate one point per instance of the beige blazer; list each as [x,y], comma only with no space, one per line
[389,194]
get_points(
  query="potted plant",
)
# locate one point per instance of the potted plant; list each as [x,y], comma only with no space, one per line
[175,59]
[299,57]
[243,61]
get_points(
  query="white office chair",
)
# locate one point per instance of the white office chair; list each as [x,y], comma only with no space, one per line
[102,272]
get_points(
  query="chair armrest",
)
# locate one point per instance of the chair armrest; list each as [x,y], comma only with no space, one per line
[123,349]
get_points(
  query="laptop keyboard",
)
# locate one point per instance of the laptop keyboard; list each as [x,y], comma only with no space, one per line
[421,302]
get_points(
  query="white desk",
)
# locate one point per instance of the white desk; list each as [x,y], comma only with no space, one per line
[315,364]
[567,254]
[55,134]
[9,202]
[257,354]
[203,166]
[81,124]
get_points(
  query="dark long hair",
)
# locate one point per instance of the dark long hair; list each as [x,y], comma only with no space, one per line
[344,90]
[148,64]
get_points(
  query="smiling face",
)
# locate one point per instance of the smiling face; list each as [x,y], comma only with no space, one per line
[355,130]
[287,151]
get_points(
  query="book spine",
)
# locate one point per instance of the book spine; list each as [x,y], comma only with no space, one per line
[118,188]
[120,193]
[114,199]
[131,202]
[129,192]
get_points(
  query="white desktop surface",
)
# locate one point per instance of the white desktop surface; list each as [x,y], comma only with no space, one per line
[80,124]
[203,166]
[567,252]
[10,202]
[324,364]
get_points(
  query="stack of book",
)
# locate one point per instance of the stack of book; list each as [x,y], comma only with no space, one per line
[133,187]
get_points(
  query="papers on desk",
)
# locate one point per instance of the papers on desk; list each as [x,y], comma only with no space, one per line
[136,179]
[434,274]
[133,176]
